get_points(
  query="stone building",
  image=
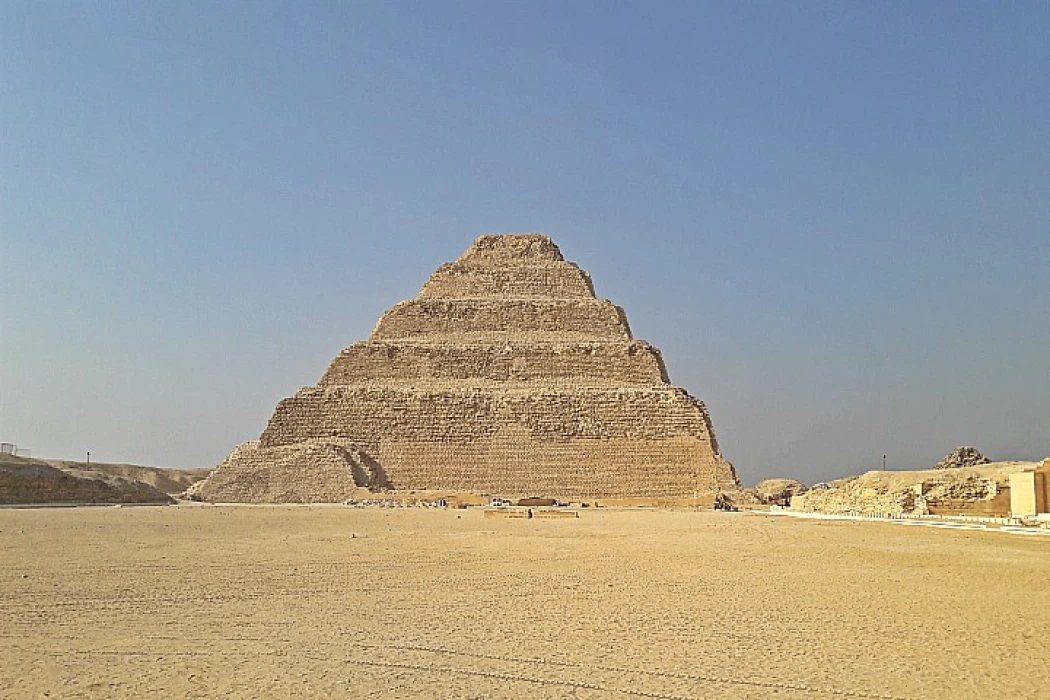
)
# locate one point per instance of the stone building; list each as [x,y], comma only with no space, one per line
[1030,492]
[505,375]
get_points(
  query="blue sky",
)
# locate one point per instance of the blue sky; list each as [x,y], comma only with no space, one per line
[834,218]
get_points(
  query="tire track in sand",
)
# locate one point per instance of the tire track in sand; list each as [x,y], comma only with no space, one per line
[496,675]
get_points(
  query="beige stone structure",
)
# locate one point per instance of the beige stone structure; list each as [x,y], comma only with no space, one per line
[1030,492]
[506,375]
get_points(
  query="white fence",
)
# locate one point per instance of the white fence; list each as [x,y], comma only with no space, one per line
[857,515]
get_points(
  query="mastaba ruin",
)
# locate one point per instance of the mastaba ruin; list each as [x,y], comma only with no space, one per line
[506,375]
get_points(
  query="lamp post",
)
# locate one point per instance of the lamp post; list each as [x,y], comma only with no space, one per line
[883,462]
[89,458]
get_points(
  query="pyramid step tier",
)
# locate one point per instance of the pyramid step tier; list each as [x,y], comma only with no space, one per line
[645,442]
[462,280]
[368,414]
[503,250]
[476,318]
[615,363]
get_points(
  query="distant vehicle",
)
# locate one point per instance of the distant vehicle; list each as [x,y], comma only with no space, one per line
[499,503]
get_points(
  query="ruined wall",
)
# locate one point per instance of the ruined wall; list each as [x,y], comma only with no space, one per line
[505,376]
[998,506]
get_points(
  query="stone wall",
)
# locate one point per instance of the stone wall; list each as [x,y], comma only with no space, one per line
[506,376]
[579,469]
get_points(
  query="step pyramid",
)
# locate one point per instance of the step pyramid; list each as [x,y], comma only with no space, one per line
[505,376]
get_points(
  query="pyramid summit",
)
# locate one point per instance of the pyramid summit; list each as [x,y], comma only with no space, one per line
[505,375]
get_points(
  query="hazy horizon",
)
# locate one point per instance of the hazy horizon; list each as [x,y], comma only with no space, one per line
[833,219]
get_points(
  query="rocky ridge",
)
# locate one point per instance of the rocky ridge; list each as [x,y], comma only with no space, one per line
[962,457]
[34,481]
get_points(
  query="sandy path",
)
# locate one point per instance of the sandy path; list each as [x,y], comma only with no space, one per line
[250,602]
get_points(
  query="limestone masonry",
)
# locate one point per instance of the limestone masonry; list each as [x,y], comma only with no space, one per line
[506,375]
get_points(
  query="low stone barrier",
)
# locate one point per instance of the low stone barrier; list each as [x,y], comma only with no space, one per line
[525,513]
[899,517]
[555,514]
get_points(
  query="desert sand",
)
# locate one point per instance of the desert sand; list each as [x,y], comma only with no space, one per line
[296,601]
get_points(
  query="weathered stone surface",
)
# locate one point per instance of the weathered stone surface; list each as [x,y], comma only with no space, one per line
[467,278]
[584,363]
[311,471]
[505,376]
[962,457]
[967,489]
[542,319]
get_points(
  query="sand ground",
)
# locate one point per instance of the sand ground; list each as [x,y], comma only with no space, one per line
[335,602]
